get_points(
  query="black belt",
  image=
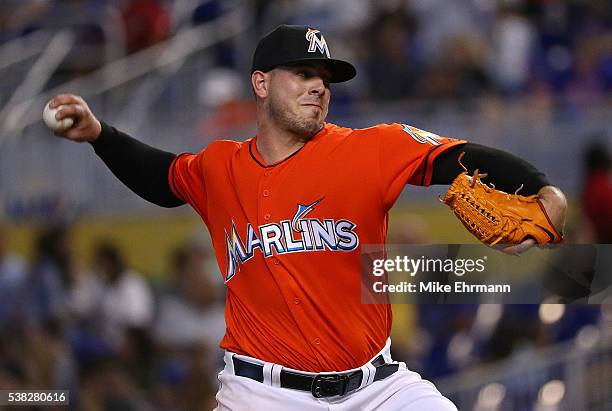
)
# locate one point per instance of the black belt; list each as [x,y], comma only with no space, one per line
[320,385]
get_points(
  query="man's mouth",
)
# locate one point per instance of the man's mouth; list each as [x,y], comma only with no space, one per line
[313,105]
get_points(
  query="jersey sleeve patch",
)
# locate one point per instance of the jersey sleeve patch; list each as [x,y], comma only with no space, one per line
[422,136]
[406,157]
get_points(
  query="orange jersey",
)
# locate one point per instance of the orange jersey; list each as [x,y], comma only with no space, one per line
[287,237]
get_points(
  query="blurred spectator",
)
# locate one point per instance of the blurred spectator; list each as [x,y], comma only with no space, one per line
[392,64]
[190,308]
[49,360]
[12,280]
[207,11]
[35,358]
[459,73]
[513,45]
[220,94]
[60,301]
[597,191]
[146,23]
[52,276]
[441,21]
[106,385]
[517,329]
[189,326]
[587,83]
[440,356]
[554,59]
[127,301]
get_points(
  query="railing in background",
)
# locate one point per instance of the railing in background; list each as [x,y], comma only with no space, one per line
[62,39]
[34,81]
[164,57]
[16,58]
[22,48]
[567,377]
[37,172]
[156,95]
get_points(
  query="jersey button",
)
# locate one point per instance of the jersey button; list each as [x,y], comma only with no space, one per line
[265,193]
[267,217]
[275,261]
[317,341]
[266,174]
[296,301]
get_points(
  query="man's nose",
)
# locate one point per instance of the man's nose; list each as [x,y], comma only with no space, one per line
[317,86]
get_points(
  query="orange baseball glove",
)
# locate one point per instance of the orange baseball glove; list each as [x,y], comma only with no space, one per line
[496,217]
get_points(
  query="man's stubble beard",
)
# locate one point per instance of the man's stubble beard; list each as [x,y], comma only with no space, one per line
[304,128]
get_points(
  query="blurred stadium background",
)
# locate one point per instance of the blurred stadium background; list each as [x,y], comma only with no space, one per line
[121,302]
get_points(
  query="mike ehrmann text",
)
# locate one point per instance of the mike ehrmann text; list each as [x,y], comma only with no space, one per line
[437,287]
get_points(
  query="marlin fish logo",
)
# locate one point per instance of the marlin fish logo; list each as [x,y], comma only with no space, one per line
[301,212]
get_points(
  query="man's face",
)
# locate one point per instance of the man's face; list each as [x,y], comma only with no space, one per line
[298,98]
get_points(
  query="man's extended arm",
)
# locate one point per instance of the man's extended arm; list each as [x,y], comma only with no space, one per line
[507,171]
[142,168]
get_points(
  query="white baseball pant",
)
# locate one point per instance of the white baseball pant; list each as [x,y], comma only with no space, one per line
[403,390]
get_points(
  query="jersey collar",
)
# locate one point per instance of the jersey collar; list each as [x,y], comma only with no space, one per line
[259,160]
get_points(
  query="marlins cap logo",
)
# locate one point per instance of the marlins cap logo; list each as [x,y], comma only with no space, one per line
[316,42]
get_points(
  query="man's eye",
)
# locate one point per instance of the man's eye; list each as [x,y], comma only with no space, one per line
[306,74]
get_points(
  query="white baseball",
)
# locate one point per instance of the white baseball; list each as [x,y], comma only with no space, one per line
[53,123]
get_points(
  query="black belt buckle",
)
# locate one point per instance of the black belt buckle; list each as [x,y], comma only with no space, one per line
[329,385]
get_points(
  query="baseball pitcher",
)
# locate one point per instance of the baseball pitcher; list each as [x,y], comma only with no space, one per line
[288,211]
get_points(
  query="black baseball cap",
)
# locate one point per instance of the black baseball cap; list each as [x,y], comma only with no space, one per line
[289,45]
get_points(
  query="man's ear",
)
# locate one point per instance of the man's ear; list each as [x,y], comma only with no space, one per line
[259,82]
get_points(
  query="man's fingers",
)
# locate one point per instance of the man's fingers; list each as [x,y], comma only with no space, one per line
[85,126]
[74,111]
[65,99]
[74,133]
[77,113]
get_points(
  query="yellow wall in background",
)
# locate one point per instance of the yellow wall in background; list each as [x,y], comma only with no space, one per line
[145,241]
[148,241]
